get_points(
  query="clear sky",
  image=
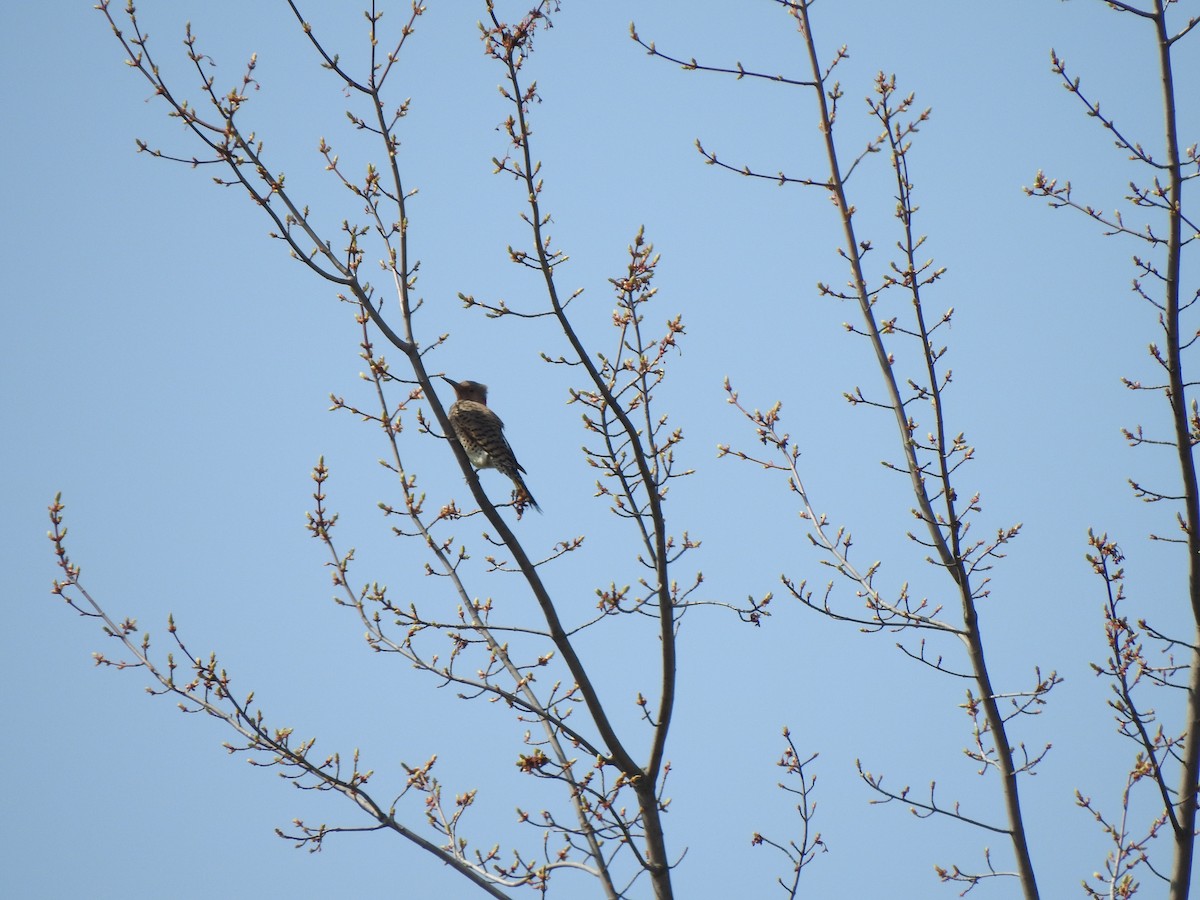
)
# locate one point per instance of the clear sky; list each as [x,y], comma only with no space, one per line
[168,368]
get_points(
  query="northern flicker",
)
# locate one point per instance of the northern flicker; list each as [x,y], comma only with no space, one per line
[481,434]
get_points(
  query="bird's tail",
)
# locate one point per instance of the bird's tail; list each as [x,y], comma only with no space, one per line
[524,494]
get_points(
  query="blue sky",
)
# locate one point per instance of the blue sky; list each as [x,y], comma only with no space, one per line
[168,368]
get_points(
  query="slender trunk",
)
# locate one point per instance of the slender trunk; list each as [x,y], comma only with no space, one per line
[1185,813]
[1008,773]
[949,557]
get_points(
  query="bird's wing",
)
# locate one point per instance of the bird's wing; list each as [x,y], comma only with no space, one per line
[487,428]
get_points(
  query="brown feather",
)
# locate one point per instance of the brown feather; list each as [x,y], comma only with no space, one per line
[481,434]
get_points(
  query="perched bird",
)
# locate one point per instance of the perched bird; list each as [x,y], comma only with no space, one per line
[481,434]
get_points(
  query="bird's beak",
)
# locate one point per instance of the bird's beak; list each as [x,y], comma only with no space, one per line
[450,381]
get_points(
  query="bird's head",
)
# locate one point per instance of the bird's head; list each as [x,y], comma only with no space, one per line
[468,390]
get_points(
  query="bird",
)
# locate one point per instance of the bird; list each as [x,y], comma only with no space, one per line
[481,434]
